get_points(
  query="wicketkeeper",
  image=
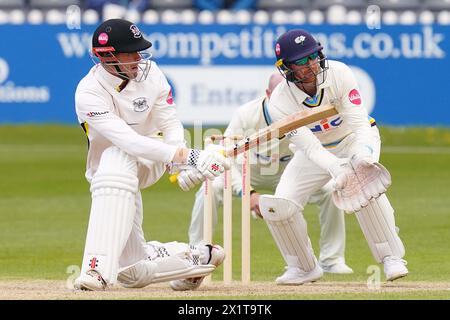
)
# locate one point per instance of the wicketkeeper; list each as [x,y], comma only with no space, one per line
[342,147]
[268,162]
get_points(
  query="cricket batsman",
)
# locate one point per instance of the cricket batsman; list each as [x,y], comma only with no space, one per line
[120,103]
[343,147]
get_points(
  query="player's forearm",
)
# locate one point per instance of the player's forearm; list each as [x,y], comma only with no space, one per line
[362,130]
[173,132]
[147,148]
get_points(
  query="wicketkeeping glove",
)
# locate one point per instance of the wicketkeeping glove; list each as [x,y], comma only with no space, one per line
[357,181]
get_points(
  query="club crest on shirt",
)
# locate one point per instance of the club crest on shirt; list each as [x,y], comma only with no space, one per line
[140,104]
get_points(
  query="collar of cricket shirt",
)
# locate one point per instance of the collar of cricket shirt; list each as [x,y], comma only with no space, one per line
[266,114]
[303,98]
[110,80]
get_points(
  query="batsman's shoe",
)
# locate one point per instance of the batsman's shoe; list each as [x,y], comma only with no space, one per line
[337,268]
[216,257]
[90,281]
[394,268]
[296,276]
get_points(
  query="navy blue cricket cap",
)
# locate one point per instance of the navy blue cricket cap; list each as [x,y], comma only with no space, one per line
[295,44]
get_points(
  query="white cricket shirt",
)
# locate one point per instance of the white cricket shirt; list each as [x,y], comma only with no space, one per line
[339,88]
[127,117]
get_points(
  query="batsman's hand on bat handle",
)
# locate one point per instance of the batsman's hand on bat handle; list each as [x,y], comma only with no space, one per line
[210,162]
[189,178]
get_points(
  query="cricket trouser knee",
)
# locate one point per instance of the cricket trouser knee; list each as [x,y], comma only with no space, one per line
[378,226]
[288,227]
[165,262]
[114,188]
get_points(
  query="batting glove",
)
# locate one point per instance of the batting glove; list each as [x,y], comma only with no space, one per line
[189,178]
[209,162]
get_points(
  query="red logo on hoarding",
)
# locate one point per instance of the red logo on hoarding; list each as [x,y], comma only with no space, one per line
[169,99]
[102,38]
[277,49]
[354,97]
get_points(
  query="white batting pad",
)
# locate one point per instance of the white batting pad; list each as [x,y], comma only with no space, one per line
[288,227]
[378,225]
[166,262]
[113,187]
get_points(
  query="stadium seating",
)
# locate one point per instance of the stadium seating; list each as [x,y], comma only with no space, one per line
[171,4]
[437,5]
[271,5]
[348,4]
[398,4]
[12,4]
[352,12]
[52,4]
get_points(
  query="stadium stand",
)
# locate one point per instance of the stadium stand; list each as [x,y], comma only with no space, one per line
[437,5]
[52,4]
[171,4]
[12,4]
[271,5]
[348,4]
[352,12]
[398,5]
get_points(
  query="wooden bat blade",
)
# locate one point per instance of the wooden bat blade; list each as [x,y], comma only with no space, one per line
[281,127]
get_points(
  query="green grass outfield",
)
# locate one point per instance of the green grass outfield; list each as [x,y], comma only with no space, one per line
[44,210]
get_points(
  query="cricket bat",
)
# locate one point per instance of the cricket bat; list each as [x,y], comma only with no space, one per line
[278,129]
[281,127]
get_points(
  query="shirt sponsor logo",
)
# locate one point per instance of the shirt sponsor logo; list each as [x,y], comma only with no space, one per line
[140,104]
[96,113]
[326,125]
[354,97]
[169,99]
[102,38]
